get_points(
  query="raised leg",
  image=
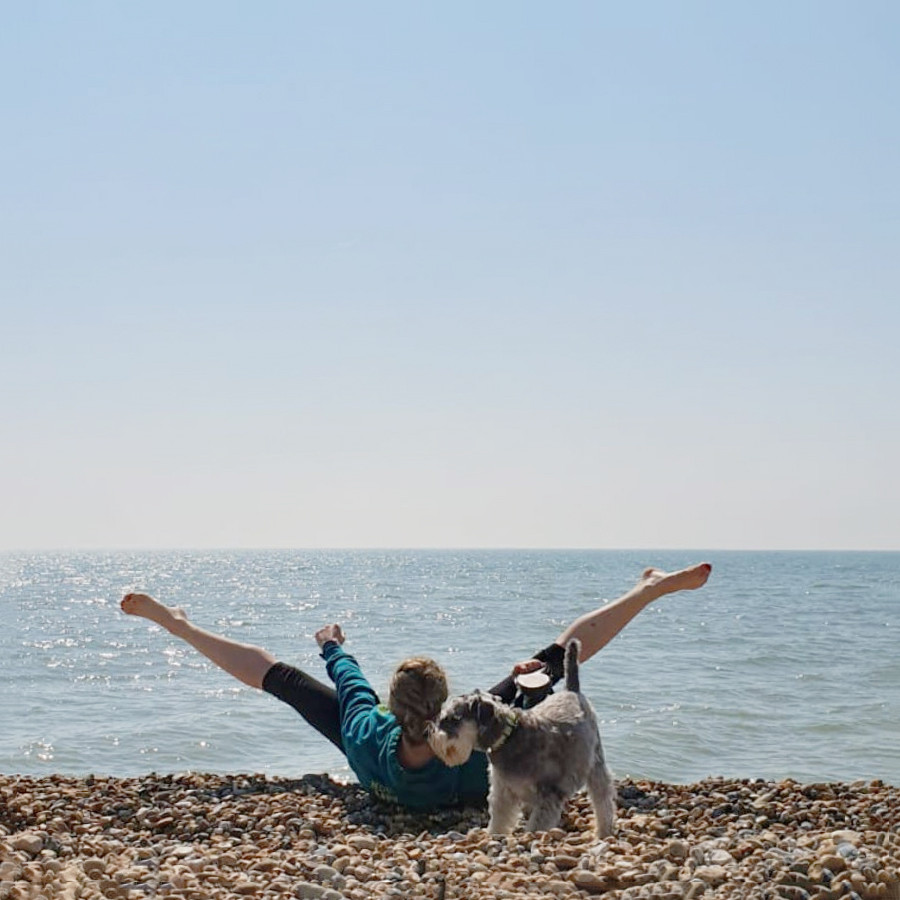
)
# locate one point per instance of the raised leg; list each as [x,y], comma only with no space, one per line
[596,629]
[245,662]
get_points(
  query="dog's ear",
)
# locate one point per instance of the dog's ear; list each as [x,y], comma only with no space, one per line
[485,714]
[474,705]
[483,710]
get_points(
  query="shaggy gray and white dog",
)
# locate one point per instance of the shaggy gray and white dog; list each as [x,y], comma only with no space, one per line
[538,757]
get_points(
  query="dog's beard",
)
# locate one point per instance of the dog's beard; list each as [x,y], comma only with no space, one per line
[456,750]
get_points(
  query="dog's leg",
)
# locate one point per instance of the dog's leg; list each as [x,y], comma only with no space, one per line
[503,805]
[547,810]
[601,789]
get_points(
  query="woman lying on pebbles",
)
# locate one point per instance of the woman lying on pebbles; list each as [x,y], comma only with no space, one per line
[387,747]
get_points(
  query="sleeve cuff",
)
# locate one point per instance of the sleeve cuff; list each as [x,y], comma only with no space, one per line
[329,648]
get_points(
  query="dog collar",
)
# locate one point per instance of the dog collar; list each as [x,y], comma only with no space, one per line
[509,726]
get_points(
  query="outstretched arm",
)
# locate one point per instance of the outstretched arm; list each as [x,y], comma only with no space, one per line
[356,697]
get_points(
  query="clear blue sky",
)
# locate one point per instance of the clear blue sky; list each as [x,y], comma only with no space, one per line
[503,274]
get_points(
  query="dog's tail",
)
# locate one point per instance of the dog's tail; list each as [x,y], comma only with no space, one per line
[573,648]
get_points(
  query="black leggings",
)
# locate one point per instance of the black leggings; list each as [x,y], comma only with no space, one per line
[318,702]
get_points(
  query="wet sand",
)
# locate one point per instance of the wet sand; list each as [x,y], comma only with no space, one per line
[201,837]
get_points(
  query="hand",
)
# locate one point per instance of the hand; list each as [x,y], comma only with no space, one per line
[526,666]
[329,633]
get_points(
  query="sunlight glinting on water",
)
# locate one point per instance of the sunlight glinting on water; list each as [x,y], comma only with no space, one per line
[762,673]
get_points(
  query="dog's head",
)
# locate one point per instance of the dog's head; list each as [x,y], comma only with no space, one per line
[471,722]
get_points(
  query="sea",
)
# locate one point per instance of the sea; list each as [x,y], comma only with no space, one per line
[785,665]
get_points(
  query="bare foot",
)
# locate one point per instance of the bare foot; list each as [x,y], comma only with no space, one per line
[146,607]
[659,583]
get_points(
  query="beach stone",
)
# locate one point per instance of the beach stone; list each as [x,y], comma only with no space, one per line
[265,865]
[341,863]
[796,879]
[109,887]
[591,882]
[445,854]
[28,843]
[362,842]
[792,892]
[832,862]
[711,874]
[93,867]
[329,875]
[306,890]
[846,837]
[662,870]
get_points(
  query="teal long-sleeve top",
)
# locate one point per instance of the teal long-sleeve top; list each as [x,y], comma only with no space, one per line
[371,735]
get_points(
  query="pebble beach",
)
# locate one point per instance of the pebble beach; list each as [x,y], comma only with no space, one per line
[199,836]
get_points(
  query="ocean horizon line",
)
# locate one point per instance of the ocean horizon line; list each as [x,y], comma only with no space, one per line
[438,548]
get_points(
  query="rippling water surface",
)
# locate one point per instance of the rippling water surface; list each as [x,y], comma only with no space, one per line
[784,665]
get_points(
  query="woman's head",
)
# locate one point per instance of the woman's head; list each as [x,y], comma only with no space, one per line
[418,690]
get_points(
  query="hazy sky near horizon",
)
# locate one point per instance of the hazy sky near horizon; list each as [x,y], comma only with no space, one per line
[508,274]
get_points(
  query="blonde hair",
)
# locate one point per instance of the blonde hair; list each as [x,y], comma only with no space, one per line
[418,690]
